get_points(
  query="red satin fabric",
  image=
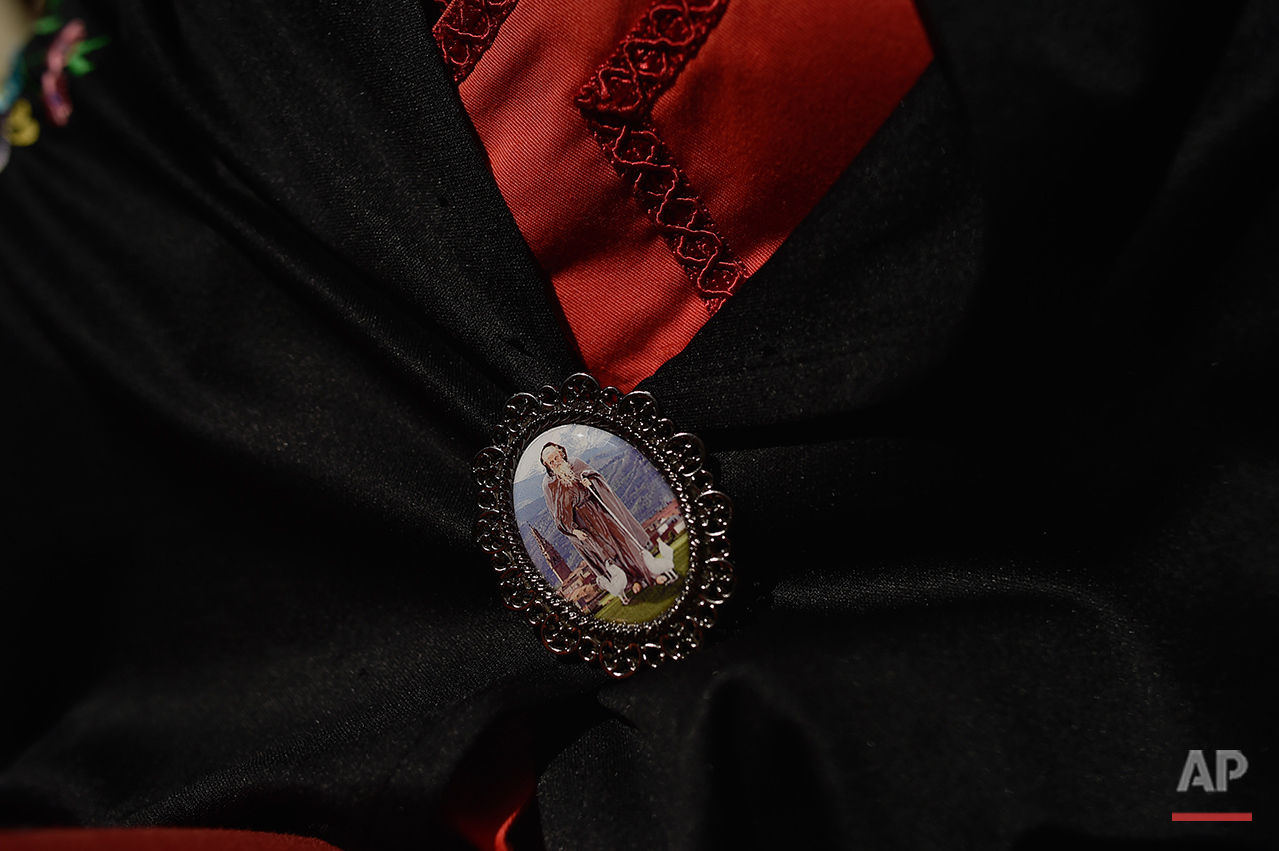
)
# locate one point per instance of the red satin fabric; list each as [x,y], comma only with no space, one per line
[492,786]
[776,103]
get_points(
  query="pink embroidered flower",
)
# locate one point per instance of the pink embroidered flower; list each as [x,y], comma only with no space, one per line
[53,82]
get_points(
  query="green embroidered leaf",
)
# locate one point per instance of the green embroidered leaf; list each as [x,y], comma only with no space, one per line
[77,64]
[91,44]
[46,25]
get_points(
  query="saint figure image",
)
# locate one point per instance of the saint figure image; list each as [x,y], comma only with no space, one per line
[590,515]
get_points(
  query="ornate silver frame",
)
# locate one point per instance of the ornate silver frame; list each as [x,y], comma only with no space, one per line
[621,649]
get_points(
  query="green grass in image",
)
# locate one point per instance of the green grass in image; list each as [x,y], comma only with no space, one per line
[654,600]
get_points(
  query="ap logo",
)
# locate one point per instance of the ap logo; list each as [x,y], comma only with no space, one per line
[1231,765]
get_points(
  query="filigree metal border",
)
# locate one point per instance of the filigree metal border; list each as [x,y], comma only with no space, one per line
[621,649]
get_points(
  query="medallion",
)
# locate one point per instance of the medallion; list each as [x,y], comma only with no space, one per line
[603,525]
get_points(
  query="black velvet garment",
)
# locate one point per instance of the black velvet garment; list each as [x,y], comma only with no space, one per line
[997,420]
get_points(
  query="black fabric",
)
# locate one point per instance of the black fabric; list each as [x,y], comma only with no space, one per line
[996,421]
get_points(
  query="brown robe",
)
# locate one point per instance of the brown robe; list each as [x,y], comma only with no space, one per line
[574,506]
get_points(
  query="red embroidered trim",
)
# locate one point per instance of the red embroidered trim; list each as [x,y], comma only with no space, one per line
[650,57]
[617,101]
[465,30]
[643,160]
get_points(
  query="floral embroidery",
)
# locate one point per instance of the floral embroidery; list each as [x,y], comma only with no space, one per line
[17,126]
[21,128]
[42,73]
[14,82]
[53,82]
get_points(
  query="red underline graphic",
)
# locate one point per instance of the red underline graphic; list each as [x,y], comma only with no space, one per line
[1212,816]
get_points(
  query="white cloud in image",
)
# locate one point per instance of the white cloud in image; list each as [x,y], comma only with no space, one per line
[576,439]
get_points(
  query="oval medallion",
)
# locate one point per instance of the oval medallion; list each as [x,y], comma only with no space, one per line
[603,525]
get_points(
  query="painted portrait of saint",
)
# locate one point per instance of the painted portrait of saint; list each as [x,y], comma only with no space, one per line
[599,526]
[606,530]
